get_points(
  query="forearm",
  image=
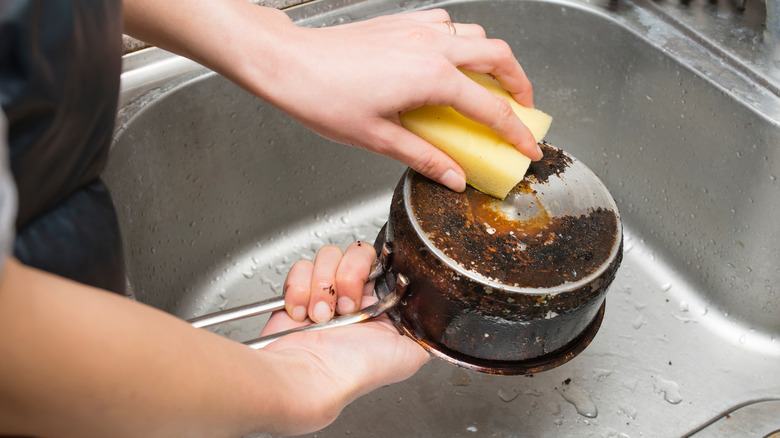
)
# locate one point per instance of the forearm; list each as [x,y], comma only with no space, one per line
[350,82]
[76,361]
[219,34]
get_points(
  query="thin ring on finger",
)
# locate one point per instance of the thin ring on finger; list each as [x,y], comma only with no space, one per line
[450,27]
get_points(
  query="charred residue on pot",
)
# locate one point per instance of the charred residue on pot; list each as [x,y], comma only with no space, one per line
[553,162]
[540,251]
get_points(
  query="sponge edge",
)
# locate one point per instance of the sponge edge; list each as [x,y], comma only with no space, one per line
[492,165]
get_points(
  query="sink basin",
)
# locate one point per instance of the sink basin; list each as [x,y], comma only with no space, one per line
[218,194]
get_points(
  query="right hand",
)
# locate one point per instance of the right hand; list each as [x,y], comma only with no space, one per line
[351,82]
[332,367]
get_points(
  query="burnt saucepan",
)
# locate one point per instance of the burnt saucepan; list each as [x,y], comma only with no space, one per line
[504,287]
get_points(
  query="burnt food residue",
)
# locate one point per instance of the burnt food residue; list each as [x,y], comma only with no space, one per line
[537,252]
[553,162]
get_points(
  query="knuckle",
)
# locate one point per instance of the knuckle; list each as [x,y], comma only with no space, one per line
[295,290]
[349,282]
[425,163]
[421,34]
[504,112]
[475,30]
[504,119]
[501,49]
[441,67]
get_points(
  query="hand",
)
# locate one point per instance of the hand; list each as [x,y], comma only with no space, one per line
[334,282]
[349,83]
[337,365]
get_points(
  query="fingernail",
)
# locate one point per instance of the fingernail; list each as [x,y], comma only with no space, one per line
[321,312]
[345,305]
[299,313]
[539,151]
[454,181]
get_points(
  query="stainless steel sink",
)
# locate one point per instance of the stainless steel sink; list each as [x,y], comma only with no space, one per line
[219,193]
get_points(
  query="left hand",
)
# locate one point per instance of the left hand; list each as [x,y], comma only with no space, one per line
[334,283]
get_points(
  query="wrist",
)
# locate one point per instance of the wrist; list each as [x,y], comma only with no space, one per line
[306,395]
[261,44]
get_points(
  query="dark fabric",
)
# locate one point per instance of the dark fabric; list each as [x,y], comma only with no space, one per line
[82,236]
[60,62]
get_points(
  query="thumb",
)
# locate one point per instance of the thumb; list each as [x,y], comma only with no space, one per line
[423,157]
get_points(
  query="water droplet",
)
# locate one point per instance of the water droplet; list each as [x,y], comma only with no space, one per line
[507,395]
[580,399]
[460,377]
[628,411]
[601,373]
[669,389]
[666,286]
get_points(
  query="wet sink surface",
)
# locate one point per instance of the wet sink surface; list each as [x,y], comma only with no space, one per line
[219,193]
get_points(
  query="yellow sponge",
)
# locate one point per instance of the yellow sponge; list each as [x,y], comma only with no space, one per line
[492,165]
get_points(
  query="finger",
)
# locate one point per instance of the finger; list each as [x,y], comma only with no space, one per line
[418,154]
[322,304]
[482,106]
[493,56]
[468,30]
[435,15]
[513,78]
[297,290]
[459,29]
[478,104]
[352,275]
[438,19]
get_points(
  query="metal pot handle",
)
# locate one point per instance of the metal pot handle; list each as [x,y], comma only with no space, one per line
[378,269]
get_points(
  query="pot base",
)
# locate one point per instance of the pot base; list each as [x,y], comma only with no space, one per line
[509,368]
[545,362]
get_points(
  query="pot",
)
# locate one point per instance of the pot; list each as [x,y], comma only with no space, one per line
[504,287]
